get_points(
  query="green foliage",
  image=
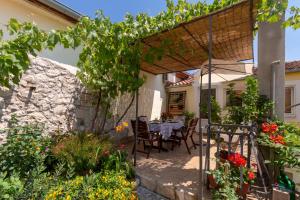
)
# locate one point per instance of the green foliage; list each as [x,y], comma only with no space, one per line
[117,161]
[25,173]
[286,153]
[111,52]
[227,183]
[82,151]
[95,186]
[215,110]
[24,148]
[14,53]
[10,187]
[253,108]
[188,116]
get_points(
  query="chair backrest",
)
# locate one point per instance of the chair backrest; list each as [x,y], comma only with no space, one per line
[192,126]
[144,119]
[142,130]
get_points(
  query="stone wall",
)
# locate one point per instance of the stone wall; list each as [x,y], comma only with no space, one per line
[50,93]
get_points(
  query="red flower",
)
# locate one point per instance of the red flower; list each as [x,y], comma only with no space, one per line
[265,127]
[273,128]
[251,175]
[277,139]
[122,146]
[237,159]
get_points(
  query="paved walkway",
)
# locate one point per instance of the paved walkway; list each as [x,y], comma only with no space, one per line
[145,194]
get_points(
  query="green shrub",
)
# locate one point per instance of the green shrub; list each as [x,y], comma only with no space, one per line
[108,185]
[82,151]
[23,149]
[215,110]
[10,187]
[188,116]
[117,161]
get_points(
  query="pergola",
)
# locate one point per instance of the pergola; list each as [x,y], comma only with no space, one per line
[226,34]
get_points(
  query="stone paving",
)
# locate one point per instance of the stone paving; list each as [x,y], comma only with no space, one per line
[145,194]
[172,174]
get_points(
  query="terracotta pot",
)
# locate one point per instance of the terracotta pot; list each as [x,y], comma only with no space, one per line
[245,189]
[212,182]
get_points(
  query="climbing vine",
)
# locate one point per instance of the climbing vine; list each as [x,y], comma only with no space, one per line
[111,52]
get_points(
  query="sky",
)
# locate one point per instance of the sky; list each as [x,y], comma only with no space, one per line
[116,9]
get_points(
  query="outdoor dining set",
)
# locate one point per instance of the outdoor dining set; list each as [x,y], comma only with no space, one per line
[154,134]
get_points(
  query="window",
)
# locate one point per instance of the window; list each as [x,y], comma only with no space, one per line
[164,78]
[176,103]
[289,99]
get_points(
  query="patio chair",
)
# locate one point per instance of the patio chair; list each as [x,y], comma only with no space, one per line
[143,134]
[188,132]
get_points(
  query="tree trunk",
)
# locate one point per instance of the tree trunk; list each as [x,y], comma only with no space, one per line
[105,117]
[96,112]
[126,110]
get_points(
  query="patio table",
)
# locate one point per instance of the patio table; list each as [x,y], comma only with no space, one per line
[165,128]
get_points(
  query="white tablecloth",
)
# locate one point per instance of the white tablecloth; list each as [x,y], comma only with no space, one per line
[165,128]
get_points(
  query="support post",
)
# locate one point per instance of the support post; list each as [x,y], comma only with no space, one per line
[209,93]
[271,54]
[136,124]
[200,143]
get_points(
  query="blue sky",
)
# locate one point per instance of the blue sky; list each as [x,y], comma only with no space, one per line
[116,9]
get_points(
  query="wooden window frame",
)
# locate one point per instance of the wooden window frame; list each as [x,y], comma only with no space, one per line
[292,113]
[184,100]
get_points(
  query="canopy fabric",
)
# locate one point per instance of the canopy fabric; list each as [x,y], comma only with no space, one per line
[187,43]
[225,70]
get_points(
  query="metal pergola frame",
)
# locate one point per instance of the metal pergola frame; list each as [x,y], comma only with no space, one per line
[209,72]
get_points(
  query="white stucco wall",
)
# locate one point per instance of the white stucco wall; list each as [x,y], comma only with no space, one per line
[152,96]
[25,11]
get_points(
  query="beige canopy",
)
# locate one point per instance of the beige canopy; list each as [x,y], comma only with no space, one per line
[232,39]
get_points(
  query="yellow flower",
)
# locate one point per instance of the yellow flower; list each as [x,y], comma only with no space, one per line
[125,124]
[68,197]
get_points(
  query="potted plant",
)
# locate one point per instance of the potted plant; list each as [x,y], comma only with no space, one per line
[222,182]
[283,141]
[232,165]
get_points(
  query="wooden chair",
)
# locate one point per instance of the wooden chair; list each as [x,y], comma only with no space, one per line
[188,132]
[144,135]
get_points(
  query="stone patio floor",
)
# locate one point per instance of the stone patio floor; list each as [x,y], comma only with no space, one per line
[173,174]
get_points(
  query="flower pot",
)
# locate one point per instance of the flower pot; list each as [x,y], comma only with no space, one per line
[245,189]
[268,154]
[212,182]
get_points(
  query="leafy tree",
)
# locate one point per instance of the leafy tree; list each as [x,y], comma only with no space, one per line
[14,53]
[111,52]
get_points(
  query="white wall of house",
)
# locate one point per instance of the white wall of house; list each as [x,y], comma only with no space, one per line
[152,100]
[24,11]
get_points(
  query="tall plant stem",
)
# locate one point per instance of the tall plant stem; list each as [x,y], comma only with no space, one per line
[96,110]
[126,110]
[105,117]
